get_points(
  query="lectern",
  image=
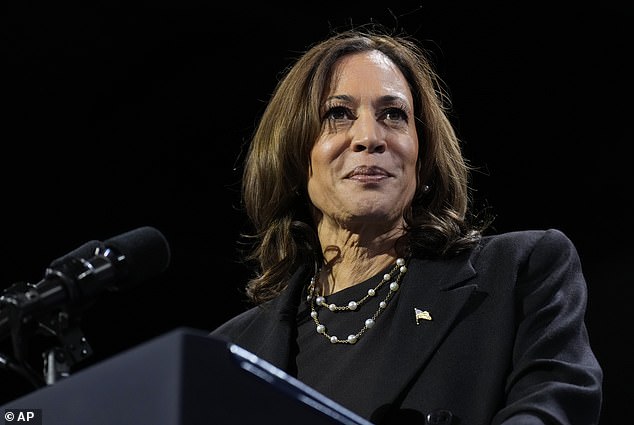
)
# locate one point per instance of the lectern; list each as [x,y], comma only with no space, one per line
[184,377]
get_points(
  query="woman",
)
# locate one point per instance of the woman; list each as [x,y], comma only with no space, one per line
[376,286]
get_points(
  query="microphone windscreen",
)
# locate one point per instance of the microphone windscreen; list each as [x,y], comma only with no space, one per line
[146,250]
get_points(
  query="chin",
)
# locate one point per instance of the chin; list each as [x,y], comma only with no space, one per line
[373,215]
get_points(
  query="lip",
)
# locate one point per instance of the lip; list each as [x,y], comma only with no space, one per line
[368,173]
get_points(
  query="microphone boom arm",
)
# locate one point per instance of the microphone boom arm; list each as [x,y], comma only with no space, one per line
[70,284]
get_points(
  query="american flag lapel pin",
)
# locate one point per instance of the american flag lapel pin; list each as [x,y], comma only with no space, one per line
[421,315]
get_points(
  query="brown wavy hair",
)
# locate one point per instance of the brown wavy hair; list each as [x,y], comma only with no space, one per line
[275,175]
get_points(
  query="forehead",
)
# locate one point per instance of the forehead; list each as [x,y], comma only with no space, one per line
[368,71]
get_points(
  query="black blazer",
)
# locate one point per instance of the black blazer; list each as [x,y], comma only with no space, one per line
[507,343]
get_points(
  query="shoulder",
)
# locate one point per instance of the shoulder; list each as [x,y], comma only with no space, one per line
[252,323]
[525,243]
[237,323]
[524,251]
[523,239]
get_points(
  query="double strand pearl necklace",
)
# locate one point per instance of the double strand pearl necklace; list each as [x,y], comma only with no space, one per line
[317,300]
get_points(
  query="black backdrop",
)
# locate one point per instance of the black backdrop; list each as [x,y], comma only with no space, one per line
[123,118]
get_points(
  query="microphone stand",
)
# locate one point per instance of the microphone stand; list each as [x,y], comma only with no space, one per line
[71,347]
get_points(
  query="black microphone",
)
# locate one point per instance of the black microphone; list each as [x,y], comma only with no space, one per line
[77,278]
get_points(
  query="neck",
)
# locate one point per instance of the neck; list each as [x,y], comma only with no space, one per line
[352,257]
[347,270]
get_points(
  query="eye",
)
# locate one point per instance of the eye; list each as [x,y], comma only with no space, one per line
[338,113]
[395,114]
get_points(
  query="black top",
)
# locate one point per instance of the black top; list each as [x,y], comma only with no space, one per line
[329,367]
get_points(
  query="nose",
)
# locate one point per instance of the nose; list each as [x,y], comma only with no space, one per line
[367,135]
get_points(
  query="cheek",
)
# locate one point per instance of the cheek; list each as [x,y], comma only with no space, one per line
[410,167]
[408,152]
[323,157]
[325,150]
[319,160]
[411,179]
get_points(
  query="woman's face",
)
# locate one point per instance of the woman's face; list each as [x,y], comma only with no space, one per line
[363,165]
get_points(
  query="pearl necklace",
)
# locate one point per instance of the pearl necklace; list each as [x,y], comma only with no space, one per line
[317,300]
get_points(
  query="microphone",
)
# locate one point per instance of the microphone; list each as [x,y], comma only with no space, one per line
[75,279]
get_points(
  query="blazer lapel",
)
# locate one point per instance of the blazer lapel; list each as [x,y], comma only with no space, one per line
[436,292]
[277,336]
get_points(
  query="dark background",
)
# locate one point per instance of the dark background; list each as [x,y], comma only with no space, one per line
[117,118]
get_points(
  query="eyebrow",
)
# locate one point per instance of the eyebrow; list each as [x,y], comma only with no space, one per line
[383,99]
[345,97]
